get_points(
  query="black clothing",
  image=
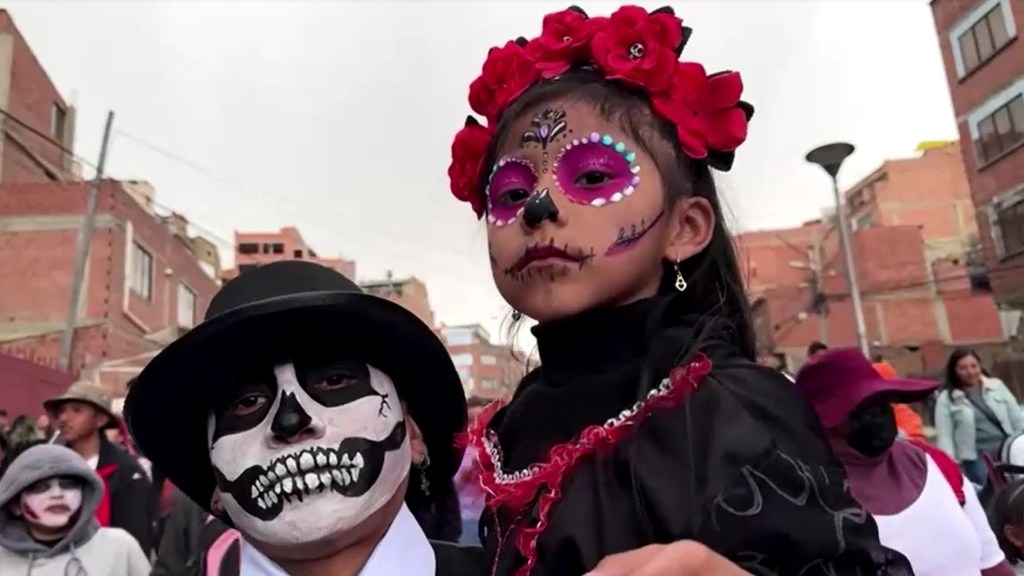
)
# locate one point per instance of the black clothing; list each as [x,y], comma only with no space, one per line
[437,514]
[742,465]
[183,537]
[129,491]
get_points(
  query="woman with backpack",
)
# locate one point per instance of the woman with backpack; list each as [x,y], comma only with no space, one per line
[914,491]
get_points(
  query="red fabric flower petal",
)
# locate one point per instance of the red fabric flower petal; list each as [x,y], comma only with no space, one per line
[468,151]
[506,74]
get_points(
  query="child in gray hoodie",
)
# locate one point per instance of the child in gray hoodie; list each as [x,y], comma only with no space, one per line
[48,501]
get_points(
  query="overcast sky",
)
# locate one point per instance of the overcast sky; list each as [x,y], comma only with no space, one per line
[337,116]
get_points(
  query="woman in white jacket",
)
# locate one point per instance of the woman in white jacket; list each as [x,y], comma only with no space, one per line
[974,415]
[48,502]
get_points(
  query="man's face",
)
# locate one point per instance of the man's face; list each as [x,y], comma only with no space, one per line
[78,420]
[307,451]
[51,504]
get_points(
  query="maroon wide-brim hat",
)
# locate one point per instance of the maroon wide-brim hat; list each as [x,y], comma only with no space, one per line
[837,381]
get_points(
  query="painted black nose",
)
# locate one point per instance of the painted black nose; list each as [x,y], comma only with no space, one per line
[291,420]
[539,207]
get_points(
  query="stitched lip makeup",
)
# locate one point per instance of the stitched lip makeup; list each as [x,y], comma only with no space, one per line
[546,255]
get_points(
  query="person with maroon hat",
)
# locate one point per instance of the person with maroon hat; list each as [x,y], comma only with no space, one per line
[911,489]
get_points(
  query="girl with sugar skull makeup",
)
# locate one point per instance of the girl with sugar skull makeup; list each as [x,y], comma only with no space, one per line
[299,396]
[48,527]
[648,420]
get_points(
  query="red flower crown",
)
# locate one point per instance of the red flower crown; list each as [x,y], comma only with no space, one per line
[631,46]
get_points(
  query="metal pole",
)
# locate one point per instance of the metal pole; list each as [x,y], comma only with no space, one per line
[82,251]
[851,273]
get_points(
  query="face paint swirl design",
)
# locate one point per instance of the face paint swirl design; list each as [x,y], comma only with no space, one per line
[310,454]
[510,184]
[596,170]
[631,235]
[51,503]
[545,128]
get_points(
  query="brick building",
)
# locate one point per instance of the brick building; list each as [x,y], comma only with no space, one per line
[487,370]
[410,293]
[144,282]
[984,62]
[38,125]
[913,247]
[255,248]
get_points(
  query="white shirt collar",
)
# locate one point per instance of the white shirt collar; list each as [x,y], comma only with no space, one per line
[403,551]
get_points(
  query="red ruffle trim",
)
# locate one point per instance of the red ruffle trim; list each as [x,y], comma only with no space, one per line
[518,490]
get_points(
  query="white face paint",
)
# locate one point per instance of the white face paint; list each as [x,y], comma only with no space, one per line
[51,503]
[311,453]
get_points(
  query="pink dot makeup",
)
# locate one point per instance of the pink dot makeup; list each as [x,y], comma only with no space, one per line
[596,170]
[510,184]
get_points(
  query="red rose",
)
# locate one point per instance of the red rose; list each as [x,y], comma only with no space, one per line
[725,122]
[506,74]
[680,105]
[468,151]
[639,48]
[563,41]
[704,109]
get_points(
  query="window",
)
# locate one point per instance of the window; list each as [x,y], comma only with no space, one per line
[297,254]
[141,281]
[186,306]
[462,360]
[488,383]
[248,248]
[277,248]
[488,360]
[1001,130]
[977,39]
[458,336]
[1011,227]
[58,121]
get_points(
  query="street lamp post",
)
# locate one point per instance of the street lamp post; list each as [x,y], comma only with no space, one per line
[830,157]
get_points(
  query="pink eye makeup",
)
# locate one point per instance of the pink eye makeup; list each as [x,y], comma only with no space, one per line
[596,170]
[510,184]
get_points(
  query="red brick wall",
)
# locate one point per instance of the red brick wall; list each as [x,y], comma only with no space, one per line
[32,97]
[40,292]
[26,384]
[1007,276]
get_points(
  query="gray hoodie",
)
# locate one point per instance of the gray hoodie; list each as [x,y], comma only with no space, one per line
[87,548]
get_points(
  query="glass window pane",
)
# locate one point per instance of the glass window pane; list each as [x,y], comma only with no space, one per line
[984,38]
[968,51]
[997,25]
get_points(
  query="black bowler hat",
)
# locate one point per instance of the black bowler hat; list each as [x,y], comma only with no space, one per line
[270,312]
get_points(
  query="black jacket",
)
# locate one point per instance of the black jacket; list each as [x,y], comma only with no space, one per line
[439,516]
[183,538]
[128,493]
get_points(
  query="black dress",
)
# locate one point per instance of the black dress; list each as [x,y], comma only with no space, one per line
[737,462]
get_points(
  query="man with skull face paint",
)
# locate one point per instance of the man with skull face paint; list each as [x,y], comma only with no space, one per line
[910,488]
[299,422]
[48,527]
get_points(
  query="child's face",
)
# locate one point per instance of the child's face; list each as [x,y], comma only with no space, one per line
[50,504]
[576,214]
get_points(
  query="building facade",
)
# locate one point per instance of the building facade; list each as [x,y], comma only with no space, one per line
[914,244]
[487,370]
[38,125]
[143,285]
[410,293]
[255,248]
[984,62]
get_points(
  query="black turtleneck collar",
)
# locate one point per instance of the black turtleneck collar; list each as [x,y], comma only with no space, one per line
[590,342]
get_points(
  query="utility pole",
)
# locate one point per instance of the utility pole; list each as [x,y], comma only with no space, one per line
[82,249]
[819,302]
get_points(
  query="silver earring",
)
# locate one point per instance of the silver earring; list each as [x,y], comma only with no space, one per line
[424,482]
[517,315]
[680,280]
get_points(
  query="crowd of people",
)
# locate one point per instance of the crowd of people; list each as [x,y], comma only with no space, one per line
[306,428]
